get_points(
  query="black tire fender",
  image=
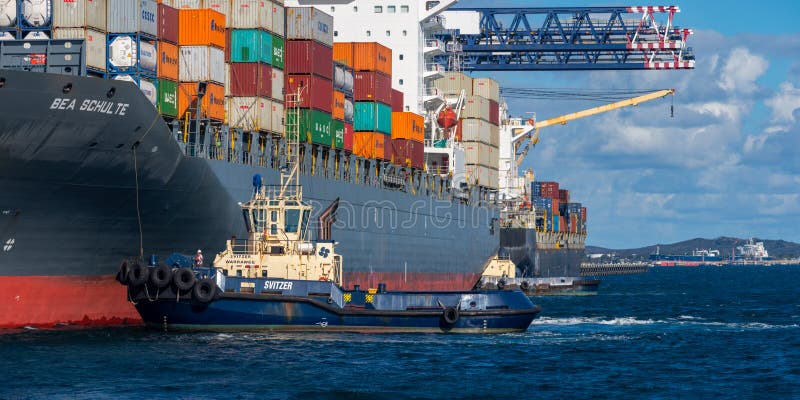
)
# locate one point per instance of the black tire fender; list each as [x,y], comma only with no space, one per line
[138,275]
[123,273]
[450,315]
[525,286]
[501,284]
[161,276]
[184,278]
[204,291]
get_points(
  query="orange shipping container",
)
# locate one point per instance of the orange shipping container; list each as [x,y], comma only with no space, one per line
[213,102]
[371,56]
[201,28]
[343,53]
[338,106]
[167,61]
[409,126]
[369,144]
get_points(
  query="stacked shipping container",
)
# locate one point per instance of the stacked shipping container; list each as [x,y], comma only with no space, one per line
[32,20]
[255,63]
[478,128]
[559,214]
[372,93]
[309,73]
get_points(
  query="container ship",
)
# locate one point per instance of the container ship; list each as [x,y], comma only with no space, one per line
[145,122]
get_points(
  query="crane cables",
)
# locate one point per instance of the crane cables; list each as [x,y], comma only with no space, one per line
[599,95]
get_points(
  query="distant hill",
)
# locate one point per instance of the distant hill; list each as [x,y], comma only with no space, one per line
[777,248]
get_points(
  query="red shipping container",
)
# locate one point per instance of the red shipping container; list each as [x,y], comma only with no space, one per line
[348,137]
[563,195]
[251,80]
[317,92]
[397,101]
[408,152]
[583,214]
[494,112]
[562,224]
[228,45]
[549,189]
[167,23]
[372,86]
[308,57]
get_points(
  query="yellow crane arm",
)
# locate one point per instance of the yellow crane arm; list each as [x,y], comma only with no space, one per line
[604,108]
[562,120]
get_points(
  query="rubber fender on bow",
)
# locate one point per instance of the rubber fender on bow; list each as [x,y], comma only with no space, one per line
[184,278]
[161,276]
[138,275]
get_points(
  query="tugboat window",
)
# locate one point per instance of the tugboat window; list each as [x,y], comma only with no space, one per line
[273,230]
[292,219]
[306,215]
[274,216]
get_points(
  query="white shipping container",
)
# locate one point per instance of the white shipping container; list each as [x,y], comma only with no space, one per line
[221,6]
[147,87]
[95,44]
[129,16]
[494,135]
[308,23]
[79,14]
[249,113]
[8,13]
[277,125]
[278,20]
[250,14]
[478,153]
[186,4]
[123,50]
[202,63]
[277,83]
[487,88]
[36,12]
[476,107]
[453,83]
[475,130]
[227,80]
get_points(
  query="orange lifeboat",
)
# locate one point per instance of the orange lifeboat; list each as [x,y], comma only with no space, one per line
[447,118]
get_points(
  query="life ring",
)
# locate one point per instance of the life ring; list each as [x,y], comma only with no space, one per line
[204,291]
[138,275]
[501,284]
[161,276]
[184,278]
[122,274]
[524,286]
[450,315]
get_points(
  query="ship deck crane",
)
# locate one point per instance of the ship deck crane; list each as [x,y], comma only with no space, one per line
[532,133]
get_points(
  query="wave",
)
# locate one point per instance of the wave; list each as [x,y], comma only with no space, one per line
[683,320]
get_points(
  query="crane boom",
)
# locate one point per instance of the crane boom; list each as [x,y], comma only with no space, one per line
[563,119]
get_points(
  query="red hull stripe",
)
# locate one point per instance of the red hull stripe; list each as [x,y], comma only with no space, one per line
[412,281]
[47,301]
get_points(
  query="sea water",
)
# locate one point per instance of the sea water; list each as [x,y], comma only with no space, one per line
[672,333]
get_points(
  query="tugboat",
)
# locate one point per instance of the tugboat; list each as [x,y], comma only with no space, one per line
[278,279]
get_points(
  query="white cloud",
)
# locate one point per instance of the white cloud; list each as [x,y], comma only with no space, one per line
[741,70]
[784,103]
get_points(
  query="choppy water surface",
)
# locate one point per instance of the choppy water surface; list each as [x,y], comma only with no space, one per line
[671,333]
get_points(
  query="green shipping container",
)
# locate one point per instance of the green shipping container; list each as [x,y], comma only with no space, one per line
[251,45]
[337,127]
[315,126]
[372,116]
[168,97]
[277,52]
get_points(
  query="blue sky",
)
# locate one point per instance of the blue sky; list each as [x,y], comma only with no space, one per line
[727,164]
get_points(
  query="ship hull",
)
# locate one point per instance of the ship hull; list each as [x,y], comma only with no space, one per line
[543,254]
[84,189]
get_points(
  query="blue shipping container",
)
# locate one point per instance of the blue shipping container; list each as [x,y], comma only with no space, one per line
[35,15]
[251,45]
